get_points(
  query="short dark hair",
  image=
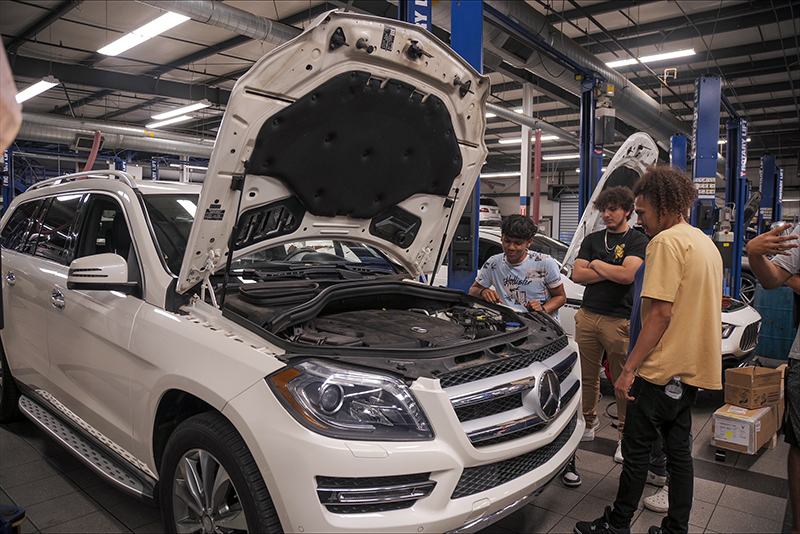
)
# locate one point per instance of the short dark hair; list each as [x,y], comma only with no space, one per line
[615,197]
[669,191]
[518,227]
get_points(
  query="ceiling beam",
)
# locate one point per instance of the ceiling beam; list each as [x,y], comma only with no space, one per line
[742,16]
[71,106]
[62,9]
[596,9]
[200,55]
[117,81]
[137,107]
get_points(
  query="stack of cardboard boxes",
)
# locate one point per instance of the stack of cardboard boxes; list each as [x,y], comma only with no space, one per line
[754,412]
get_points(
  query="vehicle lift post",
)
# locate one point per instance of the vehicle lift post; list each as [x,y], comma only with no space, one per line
[8,180]
[705,143]
[466,21]
[770,183]
[736,191]
[677,152]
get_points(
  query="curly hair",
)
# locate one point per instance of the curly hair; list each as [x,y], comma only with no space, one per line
[614,197]
[667,190]
[518,227]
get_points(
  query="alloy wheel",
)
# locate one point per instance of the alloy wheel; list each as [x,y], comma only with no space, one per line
[205,499]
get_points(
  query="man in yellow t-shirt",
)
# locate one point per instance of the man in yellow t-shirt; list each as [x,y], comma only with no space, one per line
[677,351]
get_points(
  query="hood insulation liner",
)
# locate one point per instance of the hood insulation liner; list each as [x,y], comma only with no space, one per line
[356,146]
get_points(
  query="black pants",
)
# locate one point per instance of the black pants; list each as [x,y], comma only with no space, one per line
[651,411]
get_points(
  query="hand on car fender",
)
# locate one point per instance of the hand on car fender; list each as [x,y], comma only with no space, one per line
[490,295]
[534,305]
[770,243]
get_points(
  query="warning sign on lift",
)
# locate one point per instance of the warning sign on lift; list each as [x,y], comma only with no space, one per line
[706,187]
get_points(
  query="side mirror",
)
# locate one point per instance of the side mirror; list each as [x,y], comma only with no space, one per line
[100,272]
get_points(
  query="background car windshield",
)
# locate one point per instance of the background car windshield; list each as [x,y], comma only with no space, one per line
[316,251]
[172,217]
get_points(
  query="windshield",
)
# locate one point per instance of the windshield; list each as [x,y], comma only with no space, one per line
[172,217]
[488,202]
[315,252]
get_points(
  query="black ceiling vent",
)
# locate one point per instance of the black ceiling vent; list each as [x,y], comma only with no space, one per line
[355,146]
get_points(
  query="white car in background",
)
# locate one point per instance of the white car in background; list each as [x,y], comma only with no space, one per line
[741,323]
[489,212]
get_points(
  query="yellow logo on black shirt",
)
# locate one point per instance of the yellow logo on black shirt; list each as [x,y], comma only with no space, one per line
[619,252]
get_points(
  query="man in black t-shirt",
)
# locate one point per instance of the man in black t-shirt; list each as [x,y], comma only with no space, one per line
[606,265]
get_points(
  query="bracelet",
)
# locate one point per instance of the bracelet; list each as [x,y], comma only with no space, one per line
[482,290]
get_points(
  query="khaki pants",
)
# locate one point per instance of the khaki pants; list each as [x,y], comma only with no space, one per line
[596,334]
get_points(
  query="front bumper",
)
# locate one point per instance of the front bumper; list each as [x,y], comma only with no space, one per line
[473,486]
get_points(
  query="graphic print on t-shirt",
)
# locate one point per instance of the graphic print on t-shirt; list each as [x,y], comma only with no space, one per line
[514,285]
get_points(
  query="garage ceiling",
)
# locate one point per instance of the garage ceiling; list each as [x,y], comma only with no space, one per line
[753,45]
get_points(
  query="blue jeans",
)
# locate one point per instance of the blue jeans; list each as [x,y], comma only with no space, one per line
[651,411]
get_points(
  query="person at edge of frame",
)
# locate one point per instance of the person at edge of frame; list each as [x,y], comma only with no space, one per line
[771,274]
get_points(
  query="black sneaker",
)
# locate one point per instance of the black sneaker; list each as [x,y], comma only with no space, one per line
[571,478]
[599,526]
[655,530]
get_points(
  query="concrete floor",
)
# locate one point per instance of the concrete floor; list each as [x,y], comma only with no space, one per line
[743,494]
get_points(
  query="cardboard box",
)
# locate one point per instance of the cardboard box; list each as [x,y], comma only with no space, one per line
[741,430]
[752,387]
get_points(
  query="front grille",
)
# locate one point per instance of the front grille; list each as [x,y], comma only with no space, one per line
[750,336]
[485,409]
[485,477]
[503,366]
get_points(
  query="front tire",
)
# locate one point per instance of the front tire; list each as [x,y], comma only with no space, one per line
[210,481]
[9,393]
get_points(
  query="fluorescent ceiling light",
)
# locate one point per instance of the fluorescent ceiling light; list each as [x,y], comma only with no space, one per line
[518,110]
[561,156]
[182,118]
[518,140]
[722,141]
[655,57]
[490,115]
[163,23]
[500,174]
[182,111]
[36,89]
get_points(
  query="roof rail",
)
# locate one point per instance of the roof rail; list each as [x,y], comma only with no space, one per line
[109,174]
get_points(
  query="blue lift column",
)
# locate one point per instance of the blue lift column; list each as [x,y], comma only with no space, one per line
[8,180]
[770,185]
[154,168]
[677,152]
[705,147]
[736,195]
[588,179]
[466,38]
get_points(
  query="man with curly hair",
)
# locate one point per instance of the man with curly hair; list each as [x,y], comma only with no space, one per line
[681,337]
[606,265]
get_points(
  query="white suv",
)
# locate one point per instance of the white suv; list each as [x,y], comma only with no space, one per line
[252,356]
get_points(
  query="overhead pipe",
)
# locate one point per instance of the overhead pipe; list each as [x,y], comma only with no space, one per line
[63,130]
[229,17]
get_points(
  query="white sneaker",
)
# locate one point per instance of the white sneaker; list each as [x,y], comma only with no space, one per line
[588,432]
[656,480]
[659,501]
[618,454]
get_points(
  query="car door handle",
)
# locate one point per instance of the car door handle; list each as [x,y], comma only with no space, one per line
[11,279]
[57,299]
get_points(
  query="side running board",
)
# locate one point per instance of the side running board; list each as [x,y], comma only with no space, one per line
[93,455]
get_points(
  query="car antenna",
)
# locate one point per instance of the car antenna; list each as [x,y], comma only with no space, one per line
[444,237]
[237,184]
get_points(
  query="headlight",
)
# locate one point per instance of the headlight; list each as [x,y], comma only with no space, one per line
[727,330]
[347,403]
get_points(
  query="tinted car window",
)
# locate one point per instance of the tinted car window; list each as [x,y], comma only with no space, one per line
[103,221]
[53,237]
[13,236]
[172,217]
[546,246]
[488,202]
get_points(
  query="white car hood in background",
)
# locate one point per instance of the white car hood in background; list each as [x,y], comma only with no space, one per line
[361,128]
[637,153]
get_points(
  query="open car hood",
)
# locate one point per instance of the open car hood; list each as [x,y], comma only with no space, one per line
[637,153]
[361,128]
